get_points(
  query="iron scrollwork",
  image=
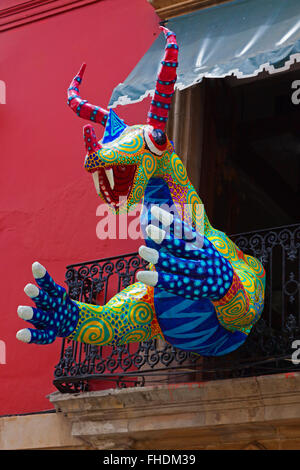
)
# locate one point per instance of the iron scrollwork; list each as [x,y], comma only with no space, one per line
[267,349]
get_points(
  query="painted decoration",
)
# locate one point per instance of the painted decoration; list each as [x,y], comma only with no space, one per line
[201,294]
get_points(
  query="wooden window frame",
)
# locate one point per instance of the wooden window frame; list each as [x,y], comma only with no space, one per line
[166,9]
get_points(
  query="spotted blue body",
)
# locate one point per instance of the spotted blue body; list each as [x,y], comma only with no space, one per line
[182,301]
[54,311]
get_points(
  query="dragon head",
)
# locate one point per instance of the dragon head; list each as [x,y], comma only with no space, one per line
[124,160]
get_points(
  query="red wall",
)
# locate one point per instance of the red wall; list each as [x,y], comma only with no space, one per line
[48,201]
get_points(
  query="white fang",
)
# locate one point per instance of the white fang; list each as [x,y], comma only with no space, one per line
[96,181]
[110,177]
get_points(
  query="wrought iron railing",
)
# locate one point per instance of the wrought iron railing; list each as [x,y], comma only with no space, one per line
[268,348]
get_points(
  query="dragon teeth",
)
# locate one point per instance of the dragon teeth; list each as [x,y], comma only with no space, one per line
[110,176]
[96,181]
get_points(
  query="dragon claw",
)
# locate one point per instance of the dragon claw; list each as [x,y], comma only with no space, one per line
[148,277]
[165,217]
[24,335]
[31,290]
[38,270]
[24,312]
[149,254]
[54,314]
[155,233]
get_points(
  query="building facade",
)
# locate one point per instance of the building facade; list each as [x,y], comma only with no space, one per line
[238,138]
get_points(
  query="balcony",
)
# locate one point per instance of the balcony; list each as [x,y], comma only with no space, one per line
[268,350]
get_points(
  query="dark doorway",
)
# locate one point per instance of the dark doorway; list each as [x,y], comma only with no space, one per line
[250,178]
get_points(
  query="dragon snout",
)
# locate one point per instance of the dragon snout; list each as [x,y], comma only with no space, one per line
[90,139]
[92,160]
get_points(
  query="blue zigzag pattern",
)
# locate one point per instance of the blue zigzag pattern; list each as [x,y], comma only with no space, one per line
[193,325]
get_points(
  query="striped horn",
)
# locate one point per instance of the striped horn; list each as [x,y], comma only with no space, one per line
[81,107]
[161,103]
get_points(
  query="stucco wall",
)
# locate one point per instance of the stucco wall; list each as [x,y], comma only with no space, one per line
[48,201]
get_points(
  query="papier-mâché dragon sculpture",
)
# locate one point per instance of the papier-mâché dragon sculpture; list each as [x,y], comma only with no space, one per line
[201,293]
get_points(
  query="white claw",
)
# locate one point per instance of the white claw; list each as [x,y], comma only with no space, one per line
[38,270]
[24,335]
[96,181]
[166,218]
[148,277]
[110,176]
[31,290]
[24,312]
[155,233]
[149,254]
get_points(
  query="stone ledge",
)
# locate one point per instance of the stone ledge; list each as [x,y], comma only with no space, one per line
[233,412]
[38,431]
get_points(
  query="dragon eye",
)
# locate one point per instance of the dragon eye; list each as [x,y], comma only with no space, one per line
[156,140]
[159,137]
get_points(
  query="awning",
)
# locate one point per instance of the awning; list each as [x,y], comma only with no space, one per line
[240,38]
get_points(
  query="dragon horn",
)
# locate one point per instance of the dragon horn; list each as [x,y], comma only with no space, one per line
[161,103]
[81,107]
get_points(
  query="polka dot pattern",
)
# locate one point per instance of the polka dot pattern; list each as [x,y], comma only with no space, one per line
[55,314]
[207,274]
[127,317]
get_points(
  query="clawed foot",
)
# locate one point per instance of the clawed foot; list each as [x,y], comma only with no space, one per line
[54,314]
[189,265]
